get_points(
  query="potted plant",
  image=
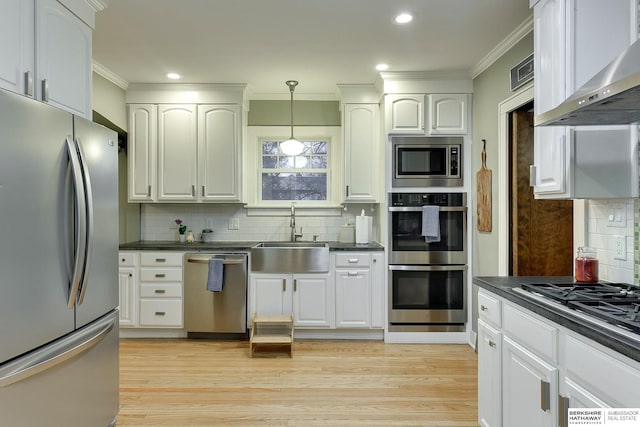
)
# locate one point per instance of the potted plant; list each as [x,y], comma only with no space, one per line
[182,229]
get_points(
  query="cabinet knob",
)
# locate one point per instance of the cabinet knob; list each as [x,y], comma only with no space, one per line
[130,275]
[492,344]
[483,308]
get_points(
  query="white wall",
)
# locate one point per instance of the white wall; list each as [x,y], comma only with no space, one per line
[602,235]
[158,222]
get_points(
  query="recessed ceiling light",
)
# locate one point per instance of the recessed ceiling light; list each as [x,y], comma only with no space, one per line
[174,76]
[403,18]
[382,67]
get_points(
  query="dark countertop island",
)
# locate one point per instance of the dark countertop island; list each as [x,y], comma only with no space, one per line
[503,287]
[169,245]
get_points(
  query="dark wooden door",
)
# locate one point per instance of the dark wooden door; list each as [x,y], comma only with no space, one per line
[541,230]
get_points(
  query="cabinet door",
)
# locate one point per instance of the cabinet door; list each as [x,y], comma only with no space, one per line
[17,53]
[353,298]
[313,300]
[404,114]
[361,129]
[272,294]
[529,388]
[142,152]
[127,284]
[448,114]
[63,79]
[552,161]
[377,291]
[177,152]
[489,375]
[219,153]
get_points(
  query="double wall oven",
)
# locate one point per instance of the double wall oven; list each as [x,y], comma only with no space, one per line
[427,280]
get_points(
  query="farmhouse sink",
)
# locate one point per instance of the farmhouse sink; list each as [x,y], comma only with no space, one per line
[290,257]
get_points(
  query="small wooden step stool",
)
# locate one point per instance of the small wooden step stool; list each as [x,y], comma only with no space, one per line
[271,330]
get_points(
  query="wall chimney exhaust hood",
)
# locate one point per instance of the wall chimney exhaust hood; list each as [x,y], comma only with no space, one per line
[611,97]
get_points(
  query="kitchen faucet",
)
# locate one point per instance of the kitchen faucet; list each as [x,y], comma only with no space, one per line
[292,223]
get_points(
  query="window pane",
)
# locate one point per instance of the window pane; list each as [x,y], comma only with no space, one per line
[319,162]
[320,147]
[269,162]
[302,162]
[294,186]
[270,147]
[285,162]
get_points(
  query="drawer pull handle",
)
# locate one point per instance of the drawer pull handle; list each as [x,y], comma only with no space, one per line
[483,308]
[161,260]
[352,273]
[353,260]
[159,291]
[160,276]
[160,313]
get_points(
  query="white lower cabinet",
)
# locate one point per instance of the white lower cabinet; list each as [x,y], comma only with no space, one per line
[543,369]
[127,285]
[308,296]
[489,375]
[151,291]
[529,388]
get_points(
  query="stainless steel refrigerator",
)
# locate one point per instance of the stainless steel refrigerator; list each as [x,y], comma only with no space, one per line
[58,268]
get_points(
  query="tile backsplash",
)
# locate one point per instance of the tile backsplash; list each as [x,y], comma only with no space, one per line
[157,222]
[607,222]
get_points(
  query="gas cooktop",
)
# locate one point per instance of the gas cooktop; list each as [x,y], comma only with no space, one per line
[614,303]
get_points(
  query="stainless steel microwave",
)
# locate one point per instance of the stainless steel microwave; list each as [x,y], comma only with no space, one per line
[427,161]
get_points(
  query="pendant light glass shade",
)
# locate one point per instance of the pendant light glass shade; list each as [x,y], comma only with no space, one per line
[291,147]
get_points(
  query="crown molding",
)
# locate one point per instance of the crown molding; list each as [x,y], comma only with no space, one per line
[110,75]
[511,40]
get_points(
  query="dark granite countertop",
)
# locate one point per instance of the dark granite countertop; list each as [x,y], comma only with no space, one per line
[168,245]
[503,287]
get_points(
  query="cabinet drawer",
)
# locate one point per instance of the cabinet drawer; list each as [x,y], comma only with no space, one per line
[161,259]
[535,334]
[161,275]
[127,259]
[157,312]
[353,260]
[604,375]
[161,290]
[489,309]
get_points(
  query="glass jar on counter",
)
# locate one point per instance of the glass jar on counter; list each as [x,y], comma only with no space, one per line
[586,265]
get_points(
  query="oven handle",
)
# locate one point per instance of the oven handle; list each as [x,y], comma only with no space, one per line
[427,267]
[419,209]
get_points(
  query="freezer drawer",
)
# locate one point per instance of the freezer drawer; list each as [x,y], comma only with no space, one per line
[78,391]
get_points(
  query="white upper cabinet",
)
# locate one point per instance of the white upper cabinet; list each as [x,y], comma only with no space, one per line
[573,40]
[177,152]
[17,45]
[448,114]
[36,39]
[219,152]
[405,114]
[143,125]
[361,127]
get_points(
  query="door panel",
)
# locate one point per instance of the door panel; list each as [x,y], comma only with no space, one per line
[101,295]
[34,284]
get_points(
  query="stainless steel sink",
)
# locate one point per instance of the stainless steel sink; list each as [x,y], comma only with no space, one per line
[290,257]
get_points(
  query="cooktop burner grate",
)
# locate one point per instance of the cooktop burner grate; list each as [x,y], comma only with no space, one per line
[564,293]
[623,313]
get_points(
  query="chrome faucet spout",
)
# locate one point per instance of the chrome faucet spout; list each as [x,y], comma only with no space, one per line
[292,223]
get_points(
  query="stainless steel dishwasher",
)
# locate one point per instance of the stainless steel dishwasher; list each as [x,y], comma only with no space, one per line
[215,314]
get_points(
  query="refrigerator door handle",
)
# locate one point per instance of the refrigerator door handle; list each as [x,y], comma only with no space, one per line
[57,353]
[80,223]
[88,195]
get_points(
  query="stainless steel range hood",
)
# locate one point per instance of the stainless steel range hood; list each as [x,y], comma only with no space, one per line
[611,97]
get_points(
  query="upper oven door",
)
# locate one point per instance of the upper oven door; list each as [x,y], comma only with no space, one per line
[408,245]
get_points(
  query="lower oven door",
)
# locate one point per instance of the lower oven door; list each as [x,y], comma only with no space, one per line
[428,295]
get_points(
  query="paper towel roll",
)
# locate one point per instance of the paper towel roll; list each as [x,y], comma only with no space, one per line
[364,229]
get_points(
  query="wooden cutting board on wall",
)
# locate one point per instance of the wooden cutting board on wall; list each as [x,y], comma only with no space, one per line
[483,182]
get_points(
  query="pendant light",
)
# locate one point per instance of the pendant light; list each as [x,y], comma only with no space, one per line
[291,147]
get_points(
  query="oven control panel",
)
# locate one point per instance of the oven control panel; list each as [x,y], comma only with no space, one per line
[434,199]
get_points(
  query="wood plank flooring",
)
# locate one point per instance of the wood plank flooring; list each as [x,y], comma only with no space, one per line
[184,383]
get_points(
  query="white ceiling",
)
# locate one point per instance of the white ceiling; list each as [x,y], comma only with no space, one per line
[321,43]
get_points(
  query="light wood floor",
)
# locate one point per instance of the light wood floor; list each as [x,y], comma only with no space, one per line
[326,383]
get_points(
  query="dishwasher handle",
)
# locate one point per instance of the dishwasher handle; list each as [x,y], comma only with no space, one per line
[206,261]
